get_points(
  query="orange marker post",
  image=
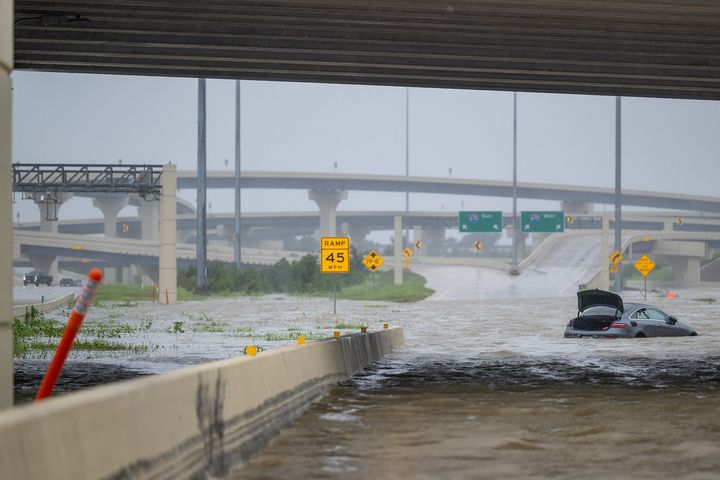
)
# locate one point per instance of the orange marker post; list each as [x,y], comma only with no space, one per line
[73,325]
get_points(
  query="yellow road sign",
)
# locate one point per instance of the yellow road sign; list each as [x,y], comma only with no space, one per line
[78,247]
[125,228]
[373,261]
[570,219]
[679,221]
[418,244]
[335,254]
[616,257]
[644,265]
[406,263]
[646,238]
[613,268]
[478,245]
[407,252]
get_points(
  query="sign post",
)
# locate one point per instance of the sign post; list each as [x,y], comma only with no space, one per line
[480,222]
[334,258]
[542,222]
[645,265]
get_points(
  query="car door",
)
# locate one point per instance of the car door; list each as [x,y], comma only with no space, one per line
[665,327]
[649,326]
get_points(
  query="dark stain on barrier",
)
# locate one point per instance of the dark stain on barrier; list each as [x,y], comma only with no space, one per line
[209,410]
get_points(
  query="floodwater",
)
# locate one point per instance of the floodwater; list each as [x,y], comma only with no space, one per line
[486,387]
[491,389]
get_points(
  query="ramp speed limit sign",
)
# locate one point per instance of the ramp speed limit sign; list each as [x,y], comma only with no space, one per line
[335,254]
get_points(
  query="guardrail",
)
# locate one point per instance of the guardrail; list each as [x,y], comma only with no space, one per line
[21,310]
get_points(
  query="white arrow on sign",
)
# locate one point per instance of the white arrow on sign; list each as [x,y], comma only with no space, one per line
[495,227]
[527,227]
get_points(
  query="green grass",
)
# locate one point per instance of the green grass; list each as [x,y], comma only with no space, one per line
[412,290]
[36,333]
[709,300]
[659,274]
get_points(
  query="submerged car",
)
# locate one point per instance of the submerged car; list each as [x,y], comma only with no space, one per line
[66,282]
[603,314]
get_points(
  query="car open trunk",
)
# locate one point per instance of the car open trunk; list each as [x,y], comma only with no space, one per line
[593,322]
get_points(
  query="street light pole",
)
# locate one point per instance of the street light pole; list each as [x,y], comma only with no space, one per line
[407,157]
[201,247]
[514,269]
[237,176]
[617,284]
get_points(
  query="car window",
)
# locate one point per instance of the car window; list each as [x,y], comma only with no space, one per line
[656,314]
[641,313]
[600,310]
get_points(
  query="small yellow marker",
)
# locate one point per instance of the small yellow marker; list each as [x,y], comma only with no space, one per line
[363,329]
[301,340]
[336,334]
[386,326]
[251,350]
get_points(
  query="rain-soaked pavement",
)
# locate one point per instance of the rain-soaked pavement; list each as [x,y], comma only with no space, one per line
[486,388]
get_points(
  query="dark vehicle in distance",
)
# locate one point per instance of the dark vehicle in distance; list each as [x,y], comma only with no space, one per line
[67,282]
[36,278]
[603,314]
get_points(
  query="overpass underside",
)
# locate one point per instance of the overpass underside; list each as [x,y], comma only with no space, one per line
[659,48]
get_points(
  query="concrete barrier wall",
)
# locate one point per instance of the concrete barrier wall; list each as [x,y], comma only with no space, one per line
[190,423]
[20,310]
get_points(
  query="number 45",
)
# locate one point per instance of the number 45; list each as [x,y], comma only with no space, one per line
[339,257]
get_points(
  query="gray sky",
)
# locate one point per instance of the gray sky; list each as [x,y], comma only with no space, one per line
[668,145]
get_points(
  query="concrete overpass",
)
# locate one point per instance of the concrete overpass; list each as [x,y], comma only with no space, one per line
[451,186]
[125,251]
[658,48]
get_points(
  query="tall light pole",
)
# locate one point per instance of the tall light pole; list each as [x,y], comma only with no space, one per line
[201,244]
[514,269]
[617,284]
[238,261]
[407,157]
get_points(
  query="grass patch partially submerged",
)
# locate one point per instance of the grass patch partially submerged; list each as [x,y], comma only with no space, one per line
[412,290]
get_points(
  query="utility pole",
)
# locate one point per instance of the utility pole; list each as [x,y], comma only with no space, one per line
[407,157]
[617,284]
[201,244]
[514,269]
[237,175]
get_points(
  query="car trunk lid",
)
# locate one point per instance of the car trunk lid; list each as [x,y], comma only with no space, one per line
[595,297]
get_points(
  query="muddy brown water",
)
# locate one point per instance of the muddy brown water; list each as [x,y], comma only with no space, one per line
[491,389]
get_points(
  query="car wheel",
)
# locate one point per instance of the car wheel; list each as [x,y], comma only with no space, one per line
[640,335]
[37,284]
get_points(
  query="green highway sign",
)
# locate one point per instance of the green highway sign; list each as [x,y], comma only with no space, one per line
[542,222]
[480,221]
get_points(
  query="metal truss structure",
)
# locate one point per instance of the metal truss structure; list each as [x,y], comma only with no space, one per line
[51,179]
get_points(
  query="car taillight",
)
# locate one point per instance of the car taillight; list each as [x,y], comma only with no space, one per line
[617,325]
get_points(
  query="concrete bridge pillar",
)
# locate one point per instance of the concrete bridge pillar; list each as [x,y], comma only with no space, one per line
[433,241]
[168,231]
[149,212]
[49,205]
[110,206]
[357,234]
[327,201]
[576,208]
[6,335]
[686,271]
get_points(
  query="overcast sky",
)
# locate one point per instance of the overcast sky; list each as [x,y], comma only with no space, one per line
[668,145]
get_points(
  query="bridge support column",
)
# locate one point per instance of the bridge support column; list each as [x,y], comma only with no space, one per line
[149,212]
[49,205]
[433,240]
[576,208]
[110,207]
[6,338]
[397,251]
[327,201]
[168,230]
[686,271]
[357,234]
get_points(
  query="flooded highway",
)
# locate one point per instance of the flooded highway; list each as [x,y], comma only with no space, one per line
[489,388]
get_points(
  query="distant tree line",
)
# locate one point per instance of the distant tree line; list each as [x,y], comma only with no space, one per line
[302,276]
